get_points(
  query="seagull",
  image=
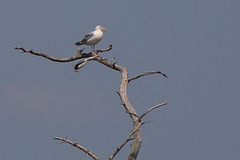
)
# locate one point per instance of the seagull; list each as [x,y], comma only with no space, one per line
[92,38]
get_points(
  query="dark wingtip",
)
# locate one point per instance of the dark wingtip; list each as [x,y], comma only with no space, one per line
[77,43]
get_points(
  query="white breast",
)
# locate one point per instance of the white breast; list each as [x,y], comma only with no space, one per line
[98,34]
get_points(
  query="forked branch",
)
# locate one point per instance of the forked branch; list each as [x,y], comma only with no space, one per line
[125,141]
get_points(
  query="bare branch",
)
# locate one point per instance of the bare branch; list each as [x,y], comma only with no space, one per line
[78,55]
[125,141]
[76,145]
[79,65]
[69,59]
[105,50]
[137,140]
[82,63]
[154,107]
[147,73]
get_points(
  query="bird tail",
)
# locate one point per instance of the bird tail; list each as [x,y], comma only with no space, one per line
[78,43]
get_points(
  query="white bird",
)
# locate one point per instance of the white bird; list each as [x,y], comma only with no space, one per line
[92,38]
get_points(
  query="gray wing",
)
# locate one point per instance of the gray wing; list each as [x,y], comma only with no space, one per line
[85,39]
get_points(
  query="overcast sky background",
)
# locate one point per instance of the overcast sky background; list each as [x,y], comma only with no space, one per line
[196,43]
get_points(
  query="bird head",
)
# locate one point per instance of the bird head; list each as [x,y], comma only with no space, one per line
[100,28]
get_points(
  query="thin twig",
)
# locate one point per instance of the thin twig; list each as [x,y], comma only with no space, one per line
[130,113]
[147,73]
[154,107]
[111,60]
[105,50]
[76,145]
[125,141]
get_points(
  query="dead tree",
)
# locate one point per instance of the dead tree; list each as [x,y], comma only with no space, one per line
[137,120]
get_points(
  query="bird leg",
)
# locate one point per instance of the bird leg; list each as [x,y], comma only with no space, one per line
[93,48]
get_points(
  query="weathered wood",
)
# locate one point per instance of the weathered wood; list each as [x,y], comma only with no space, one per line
[136,120]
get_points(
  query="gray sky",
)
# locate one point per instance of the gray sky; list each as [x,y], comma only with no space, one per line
[196,43]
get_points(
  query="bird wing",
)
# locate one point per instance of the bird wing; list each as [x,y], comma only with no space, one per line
[85,38]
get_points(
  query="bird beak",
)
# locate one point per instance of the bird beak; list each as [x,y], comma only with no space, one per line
[103,29]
